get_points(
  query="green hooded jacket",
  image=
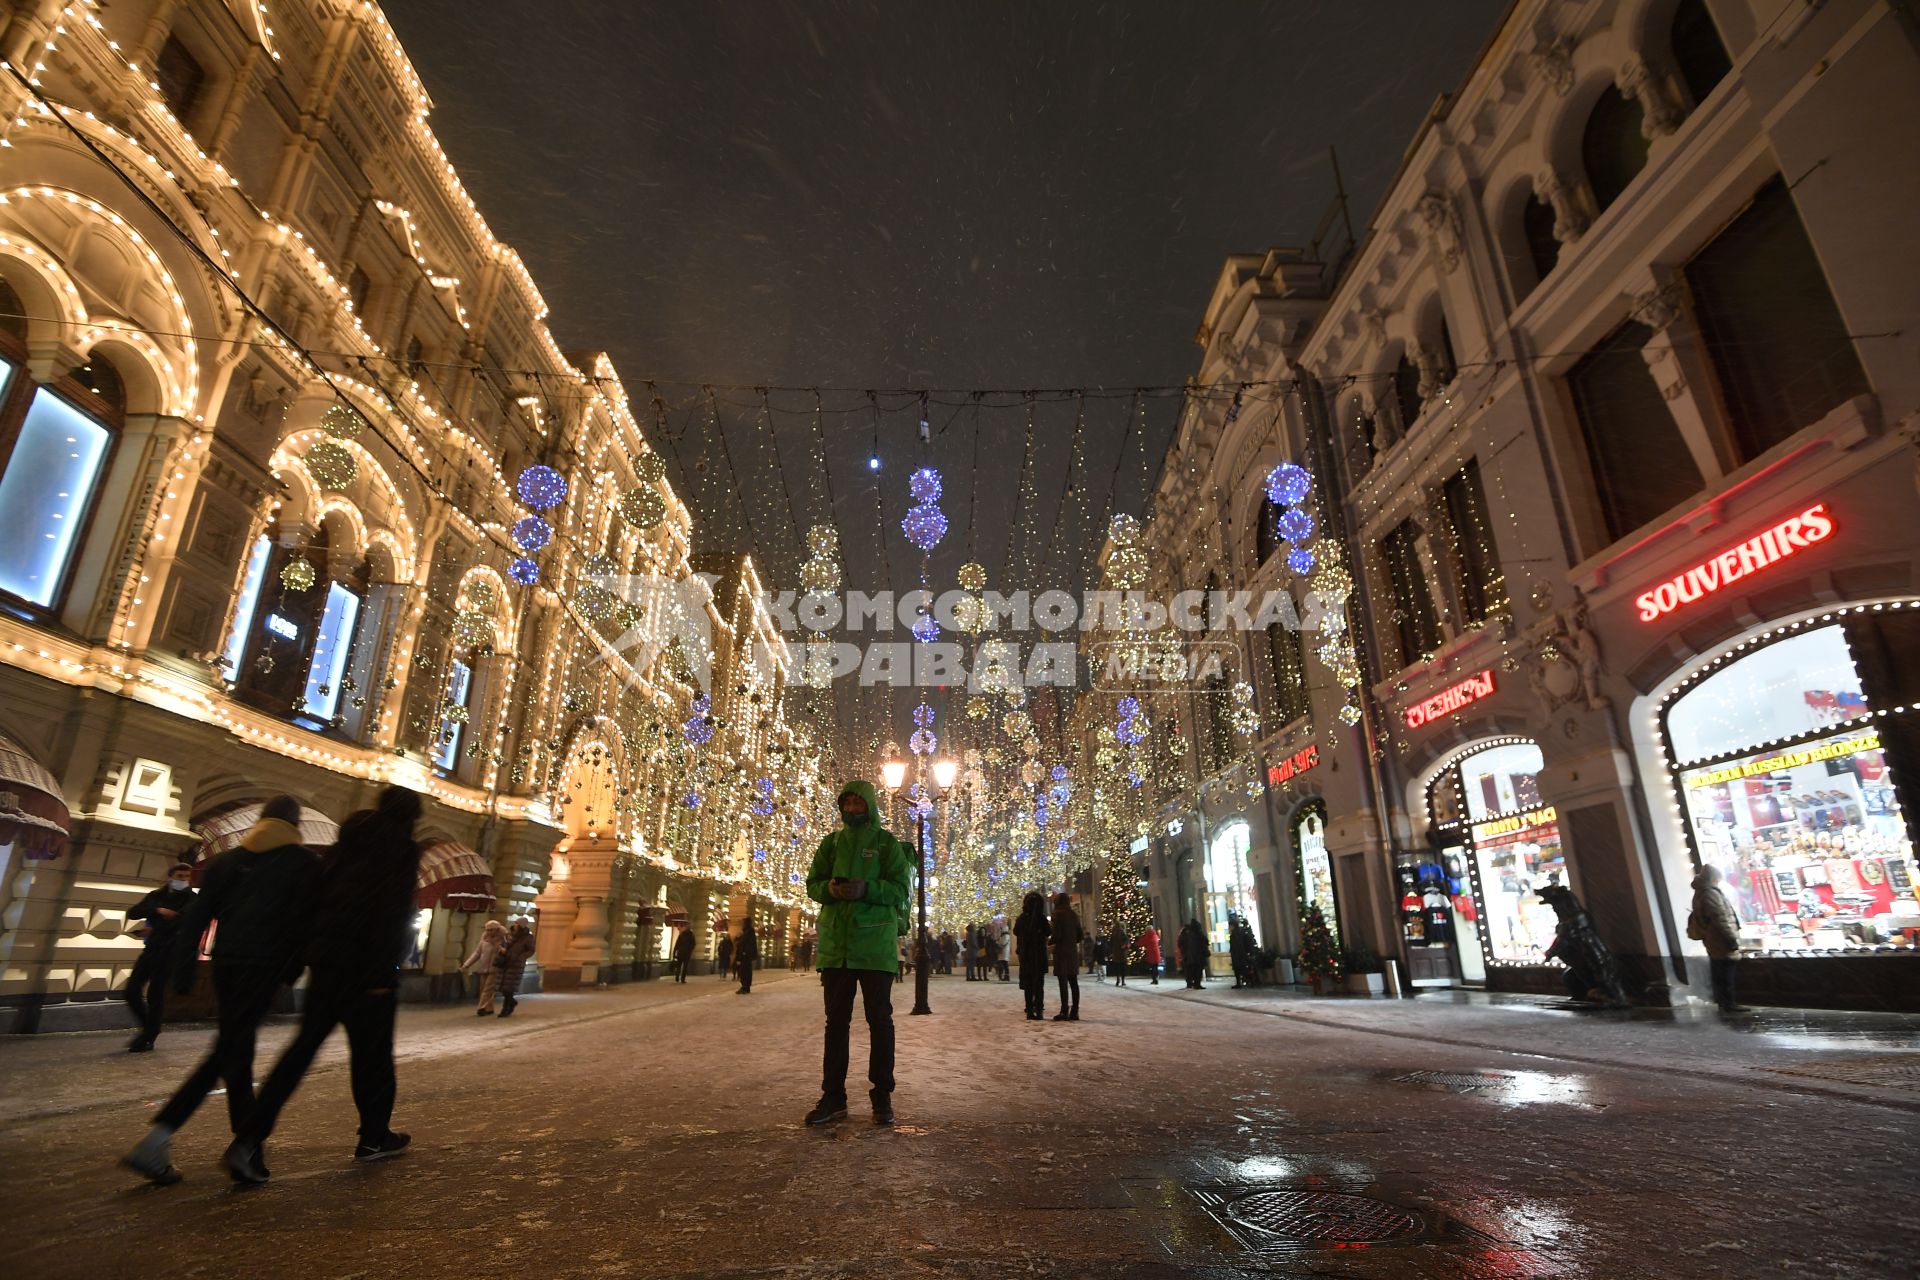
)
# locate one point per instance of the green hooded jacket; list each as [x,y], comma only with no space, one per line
[860,935]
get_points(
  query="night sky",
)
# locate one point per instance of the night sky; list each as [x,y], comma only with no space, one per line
[881,195]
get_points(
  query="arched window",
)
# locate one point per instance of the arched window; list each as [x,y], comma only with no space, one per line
[296,658]
[1406,392]
[1697,51]
[1543,246]
[1614,149]
[1443,352]
[1266,537]
[55,443]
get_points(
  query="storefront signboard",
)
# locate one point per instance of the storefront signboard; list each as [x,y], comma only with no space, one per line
[1294,765]
[1794,534]
[1834,750]
[1514,824]
[1450,699]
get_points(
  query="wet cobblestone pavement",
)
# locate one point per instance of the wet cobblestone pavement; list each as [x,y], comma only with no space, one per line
[654,1131]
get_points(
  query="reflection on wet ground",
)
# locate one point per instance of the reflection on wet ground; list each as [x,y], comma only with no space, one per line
[657,1134]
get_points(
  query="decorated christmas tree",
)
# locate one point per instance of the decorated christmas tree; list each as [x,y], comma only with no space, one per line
[1126,906]
[1319,958]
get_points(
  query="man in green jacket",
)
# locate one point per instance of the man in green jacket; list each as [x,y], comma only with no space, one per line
[860,876]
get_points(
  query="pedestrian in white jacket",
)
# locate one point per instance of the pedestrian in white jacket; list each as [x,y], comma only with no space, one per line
[492,938]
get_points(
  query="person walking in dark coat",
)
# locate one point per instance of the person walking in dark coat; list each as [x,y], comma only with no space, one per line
[1193,954]
[258,895]
[512,961]
[1714,925]
[970,952]
[1117,954]
[723,955]
[147,984]
[1030,936]
[362,929]
[1067,937]
[745,954]
[682,955]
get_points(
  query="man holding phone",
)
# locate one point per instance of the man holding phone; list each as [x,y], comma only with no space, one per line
[861,878]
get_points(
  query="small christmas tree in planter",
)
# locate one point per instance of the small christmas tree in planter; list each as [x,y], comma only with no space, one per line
[1319,958]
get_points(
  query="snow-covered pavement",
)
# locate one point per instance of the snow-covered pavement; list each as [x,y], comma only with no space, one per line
[654,1130]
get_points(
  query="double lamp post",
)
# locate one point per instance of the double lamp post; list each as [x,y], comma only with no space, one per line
[894,773]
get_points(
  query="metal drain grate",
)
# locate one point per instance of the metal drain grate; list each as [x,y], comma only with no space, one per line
[1881,1071]
[1460,1081]
[1323,1217]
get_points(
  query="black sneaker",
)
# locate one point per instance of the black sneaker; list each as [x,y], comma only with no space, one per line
[384,1149]
[826,1112]
[152,1164]
[140,1044]
[883,1111]
[244,1165]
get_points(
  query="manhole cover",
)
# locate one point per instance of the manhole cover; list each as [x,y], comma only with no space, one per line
[1323,1217]
[1882,1071]
[1461,1081]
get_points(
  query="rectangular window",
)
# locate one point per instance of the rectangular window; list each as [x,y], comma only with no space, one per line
[50,479]
[446,748]
[1483,587]
[179,76]
[1779,346]
[1642,467]
[1416,627]
[1289,673]
[249,601]
[330,651]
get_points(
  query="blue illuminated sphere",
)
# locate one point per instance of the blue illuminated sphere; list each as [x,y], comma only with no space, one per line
[924,485]
[924,526]
[1295,525]
[530,533]
[1288,483]
[541,488]
[1300,560]
[524,571]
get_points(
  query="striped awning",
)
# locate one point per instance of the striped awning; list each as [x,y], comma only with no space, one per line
[452,876]
[226,830]
[33,814]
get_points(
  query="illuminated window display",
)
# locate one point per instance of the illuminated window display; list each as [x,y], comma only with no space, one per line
[1784,778]
[1229,881]
[1316,867]
[1497,834]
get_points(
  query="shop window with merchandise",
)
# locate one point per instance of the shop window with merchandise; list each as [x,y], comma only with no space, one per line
[1475,901]
[1783,762]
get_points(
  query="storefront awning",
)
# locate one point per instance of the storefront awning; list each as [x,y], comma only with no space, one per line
[452,876]
[225,831]
[32,813]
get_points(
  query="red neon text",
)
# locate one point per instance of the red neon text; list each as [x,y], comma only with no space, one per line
[1294,765]
[1782,540]
[1450,699]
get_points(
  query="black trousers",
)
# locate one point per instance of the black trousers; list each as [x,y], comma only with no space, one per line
[147,989]
[680,964]
[337,1000]
[746,975]
[245,993]
[1194,973]
[876,997]
[1069,990]
[1721,970]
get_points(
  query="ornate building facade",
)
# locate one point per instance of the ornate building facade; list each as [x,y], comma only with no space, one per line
[1609,419]
[269,387]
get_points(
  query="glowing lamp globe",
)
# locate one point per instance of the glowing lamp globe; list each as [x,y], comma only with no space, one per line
[541,488]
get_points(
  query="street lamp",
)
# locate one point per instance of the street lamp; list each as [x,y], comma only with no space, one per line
[893,773]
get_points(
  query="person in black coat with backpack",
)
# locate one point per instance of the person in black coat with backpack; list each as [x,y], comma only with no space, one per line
[362,928]
[147,984]
[258,894]
[745,953]
[1031,934]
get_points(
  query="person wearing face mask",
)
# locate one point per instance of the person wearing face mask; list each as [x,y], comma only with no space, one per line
[147,986]
[861,878]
